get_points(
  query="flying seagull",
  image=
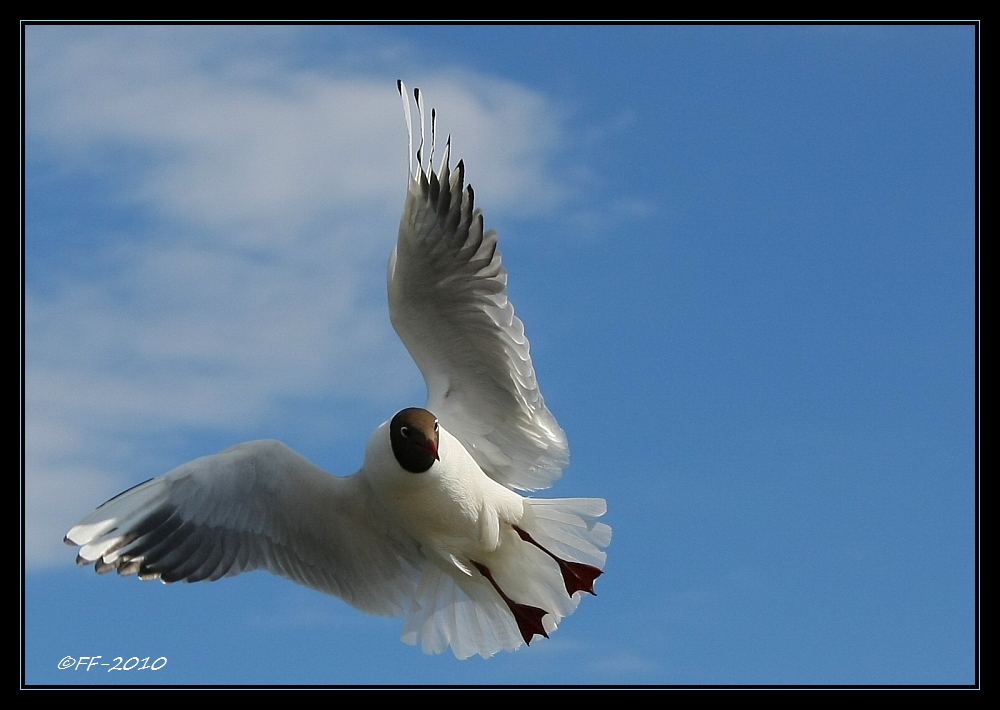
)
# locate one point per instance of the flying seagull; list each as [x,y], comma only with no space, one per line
[430,528]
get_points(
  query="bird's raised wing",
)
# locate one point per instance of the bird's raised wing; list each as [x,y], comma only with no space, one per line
[448,303]
[257,505]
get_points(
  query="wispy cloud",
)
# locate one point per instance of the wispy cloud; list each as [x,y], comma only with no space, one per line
[263,200]
[624,666]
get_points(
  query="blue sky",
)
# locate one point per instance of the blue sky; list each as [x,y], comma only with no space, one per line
[744,257]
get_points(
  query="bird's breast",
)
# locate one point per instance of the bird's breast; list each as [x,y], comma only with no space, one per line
[453,508]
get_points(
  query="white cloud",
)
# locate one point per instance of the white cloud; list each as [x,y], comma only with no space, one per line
[624,665]
[267,199]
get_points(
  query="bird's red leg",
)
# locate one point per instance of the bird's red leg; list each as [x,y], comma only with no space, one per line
[577,576]
[528,618]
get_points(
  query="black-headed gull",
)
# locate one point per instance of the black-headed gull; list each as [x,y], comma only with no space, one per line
[430,528]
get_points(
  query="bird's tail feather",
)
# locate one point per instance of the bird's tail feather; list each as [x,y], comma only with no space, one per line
[464,614]
[469,612]
[568,528]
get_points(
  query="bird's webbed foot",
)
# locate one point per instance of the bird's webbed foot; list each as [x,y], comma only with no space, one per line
[577,576]
[528,618]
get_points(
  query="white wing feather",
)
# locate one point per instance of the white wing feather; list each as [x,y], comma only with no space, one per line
[258,505]
[448,303]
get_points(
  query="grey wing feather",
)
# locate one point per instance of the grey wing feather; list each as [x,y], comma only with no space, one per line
[257,505]
[448,302]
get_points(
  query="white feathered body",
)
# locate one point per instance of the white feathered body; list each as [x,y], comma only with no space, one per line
[454,510]
[460,516]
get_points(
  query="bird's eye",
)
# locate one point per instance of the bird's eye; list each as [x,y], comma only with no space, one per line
[405,431]
[435,426]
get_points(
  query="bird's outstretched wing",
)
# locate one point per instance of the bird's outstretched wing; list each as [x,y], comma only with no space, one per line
[258,505]
[448,303]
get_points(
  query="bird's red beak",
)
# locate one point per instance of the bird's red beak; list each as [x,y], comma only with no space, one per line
[433,449]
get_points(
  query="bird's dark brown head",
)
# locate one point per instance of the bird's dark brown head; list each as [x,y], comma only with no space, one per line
[413,434]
